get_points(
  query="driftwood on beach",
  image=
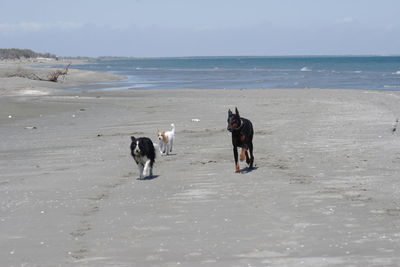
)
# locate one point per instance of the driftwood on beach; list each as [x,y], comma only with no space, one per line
[50,77]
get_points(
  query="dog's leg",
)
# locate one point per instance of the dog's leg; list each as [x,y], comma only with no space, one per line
[247,158]
[251,155]
[140,166]
[167,148]
[235,154]
[243,153]
[151,168]
[170,146]
[146,170]
[162,148]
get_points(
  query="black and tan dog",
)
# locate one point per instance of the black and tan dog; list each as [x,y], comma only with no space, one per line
[242,136]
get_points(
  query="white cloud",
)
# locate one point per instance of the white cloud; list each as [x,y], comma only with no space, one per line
[38,26]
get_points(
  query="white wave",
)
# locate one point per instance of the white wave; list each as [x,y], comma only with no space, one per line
[396,73]
[33,92]
[305,69]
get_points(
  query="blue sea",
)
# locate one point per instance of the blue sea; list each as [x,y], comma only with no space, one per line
[347,72]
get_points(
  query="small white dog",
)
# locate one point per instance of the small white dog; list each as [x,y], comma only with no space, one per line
[166,140]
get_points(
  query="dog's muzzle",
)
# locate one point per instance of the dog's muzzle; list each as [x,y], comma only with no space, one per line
[136,152]
[232,127]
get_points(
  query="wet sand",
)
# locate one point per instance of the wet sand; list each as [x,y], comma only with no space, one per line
[325,191]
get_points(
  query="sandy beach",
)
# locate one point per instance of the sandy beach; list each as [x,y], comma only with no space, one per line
[325,191]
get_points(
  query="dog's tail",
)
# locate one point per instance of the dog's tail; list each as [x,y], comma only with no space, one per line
[173,128]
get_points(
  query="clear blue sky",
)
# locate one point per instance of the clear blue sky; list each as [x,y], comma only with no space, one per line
[152,28]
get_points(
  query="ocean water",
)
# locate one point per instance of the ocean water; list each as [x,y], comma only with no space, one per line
[372,72]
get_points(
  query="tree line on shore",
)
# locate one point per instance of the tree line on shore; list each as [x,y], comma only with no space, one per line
[14,53]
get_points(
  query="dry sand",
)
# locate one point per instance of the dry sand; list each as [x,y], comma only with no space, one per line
[325,193]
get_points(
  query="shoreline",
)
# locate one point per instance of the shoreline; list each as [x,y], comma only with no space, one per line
[78,81]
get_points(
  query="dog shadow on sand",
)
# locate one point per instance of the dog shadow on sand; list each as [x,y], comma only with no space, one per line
[148,178]
[248,170]
[168,155]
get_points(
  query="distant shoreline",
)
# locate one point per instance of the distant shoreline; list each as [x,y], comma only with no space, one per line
[342,72]
[24,86]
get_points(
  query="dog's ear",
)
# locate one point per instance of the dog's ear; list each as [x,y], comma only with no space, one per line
[237,112]
[133,139]
[229,112]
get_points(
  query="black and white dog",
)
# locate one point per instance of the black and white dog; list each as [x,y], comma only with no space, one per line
[242,136]
[142,151]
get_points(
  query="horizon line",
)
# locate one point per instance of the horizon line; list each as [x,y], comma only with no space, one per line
[232,56]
